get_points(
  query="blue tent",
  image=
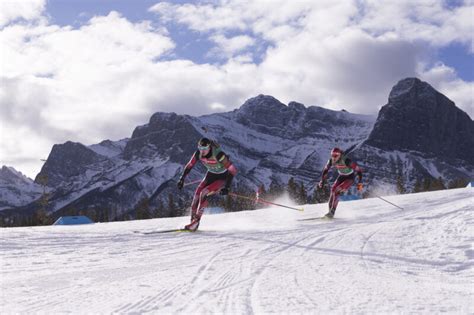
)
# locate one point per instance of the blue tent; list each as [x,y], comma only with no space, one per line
[70,220]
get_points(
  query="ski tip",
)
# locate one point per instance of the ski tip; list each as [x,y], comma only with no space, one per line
[302,209]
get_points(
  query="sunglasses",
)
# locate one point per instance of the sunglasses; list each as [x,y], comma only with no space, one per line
[203,148]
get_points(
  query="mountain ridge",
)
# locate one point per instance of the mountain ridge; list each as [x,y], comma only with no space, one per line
[268,141]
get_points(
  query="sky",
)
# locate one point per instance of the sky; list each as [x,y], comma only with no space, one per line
[373,258]
[86,71]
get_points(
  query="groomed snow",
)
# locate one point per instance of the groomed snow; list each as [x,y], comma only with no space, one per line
[374,258]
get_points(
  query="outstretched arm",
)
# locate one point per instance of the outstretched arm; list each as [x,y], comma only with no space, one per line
[325,172]
[188,168]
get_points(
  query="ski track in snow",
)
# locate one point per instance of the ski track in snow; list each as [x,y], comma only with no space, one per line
[371,258]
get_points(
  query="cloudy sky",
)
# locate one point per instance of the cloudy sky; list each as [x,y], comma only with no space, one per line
[85,71]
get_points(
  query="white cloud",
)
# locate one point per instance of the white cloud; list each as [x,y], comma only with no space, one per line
[11,10]
[352,70]
[201,18]
[74,84]
[428,20]
[229,47]
[342,54]
[101,80]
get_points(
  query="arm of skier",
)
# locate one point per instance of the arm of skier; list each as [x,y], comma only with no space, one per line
[189,166]
[231,171]
[324,174]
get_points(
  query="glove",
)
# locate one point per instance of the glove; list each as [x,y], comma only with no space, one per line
[180,183]
[360,187]
[321,184]
[224,191]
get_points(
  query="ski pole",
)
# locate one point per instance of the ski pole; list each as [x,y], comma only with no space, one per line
[265,201]
[279,205]
[389,202]
[192,183]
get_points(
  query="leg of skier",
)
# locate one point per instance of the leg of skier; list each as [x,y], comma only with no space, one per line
[196,198]
[341,184]
[200,201]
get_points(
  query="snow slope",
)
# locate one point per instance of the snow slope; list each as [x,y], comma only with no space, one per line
[373,258]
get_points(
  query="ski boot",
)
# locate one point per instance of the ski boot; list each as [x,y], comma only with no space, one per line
[330,214]
[194,225]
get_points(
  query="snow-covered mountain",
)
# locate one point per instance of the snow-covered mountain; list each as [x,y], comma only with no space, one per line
[269,142]
[419,133]
[372,259]
[16,189]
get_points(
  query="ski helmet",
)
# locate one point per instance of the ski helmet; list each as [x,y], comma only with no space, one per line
[336,152]
[204,144]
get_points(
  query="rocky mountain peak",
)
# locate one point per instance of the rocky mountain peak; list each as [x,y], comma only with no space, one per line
[263,110]
[268,115]
[160,135]
[65,161]
[419,118]
[10,175]
[16,189]
[296,106]
[260,102]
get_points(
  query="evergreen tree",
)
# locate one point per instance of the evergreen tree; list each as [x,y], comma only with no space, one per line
[227,204]
[262,192]
[426,184]
[70,211]
[106,215]
[171,206]
[302,195]
[292,189]
[246,203]
[41,217]
[437,184]
[458,183]
[239,203]
[159,209]
[142,209]
[400,185]
[418,187]
[180,208]
[274,191]
[90,213]
[115,216]
[322,195]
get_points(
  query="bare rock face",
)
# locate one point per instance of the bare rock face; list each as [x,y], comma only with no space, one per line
[419,118]
[67,160]
[167,134]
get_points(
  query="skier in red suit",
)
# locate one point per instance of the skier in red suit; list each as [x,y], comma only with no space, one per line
[220,172]
[346,169]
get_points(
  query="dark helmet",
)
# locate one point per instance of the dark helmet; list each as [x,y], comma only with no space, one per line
[336,152]
[204,144]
